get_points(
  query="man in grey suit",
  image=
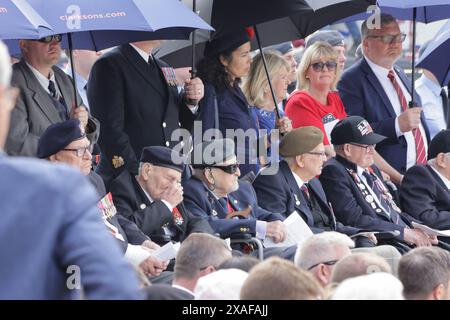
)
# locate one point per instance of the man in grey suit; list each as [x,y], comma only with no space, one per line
[46,97]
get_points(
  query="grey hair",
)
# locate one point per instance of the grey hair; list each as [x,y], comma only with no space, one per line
[198,251]
[320,247]
[433,266]
[384,20]
[5,66]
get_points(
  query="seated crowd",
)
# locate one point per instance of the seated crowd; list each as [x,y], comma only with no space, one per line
[369,186]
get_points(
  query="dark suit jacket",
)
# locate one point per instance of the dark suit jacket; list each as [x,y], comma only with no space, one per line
[35,111]
[166,292]
[129,230]
[363,95]
[150,217]
[135,107]
[202,203]
[280,193]
[349,204]
[425,196]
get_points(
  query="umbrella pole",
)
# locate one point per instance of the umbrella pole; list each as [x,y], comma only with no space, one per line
[277,112]
[193,70]
[412,103]
[69,38]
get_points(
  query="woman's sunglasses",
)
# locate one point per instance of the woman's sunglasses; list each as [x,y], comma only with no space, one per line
[318,66]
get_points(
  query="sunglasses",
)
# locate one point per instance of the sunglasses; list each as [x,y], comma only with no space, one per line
[388,39]
[231,169]
[318,66]
[48,39]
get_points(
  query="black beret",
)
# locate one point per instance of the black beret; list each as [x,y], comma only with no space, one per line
[439,143]
[58,136]
[333,37]
[163,157]
[354,129]
[228,42]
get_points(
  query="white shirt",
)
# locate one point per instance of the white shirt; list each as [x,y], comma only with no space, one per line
[444,179]
[168,205]
[430,95]
[299,180]
[43,80]
[145,56]
[81,85]
[382,75]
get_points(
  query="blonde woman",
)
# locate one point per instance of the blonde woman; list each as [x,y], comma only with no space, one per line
[257,91]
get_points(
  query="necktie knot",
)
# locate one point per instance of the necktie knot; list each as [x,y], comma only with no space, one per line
[52,88]
[391,75]
[305,190]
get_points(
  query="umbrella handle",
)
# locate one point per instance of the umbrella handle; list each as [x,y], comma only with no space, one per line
[412,103]
[74,82]
[193,71]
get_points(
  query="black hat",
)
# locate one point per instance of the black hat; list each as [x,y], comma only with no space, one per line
[58,136]
[163,157]
[440,143]
[210,153]
[333,37]
[228,42]
[354,129]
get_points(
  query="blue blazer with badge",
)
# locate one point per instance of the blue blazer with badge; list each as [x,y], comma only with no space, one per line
[425,196]
[200,201]
[280,193]
[363,95]
[348,202]
[233,113]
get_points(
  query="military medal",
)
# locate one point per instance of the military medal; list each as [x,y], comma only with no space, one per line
[214,213]
[177,217]
[369,198]
[170,76]
[117,162]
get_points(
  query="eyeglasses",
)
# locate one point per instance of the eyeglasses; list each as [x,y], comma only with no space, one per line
[388,39]
[328,263]
[48,39]
[318,66]
[367,147]
[320,154]
[80,152]
[231,169]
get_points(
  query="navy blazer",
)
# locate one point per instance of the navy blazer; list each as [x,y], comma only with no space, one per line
[425,196]
[363,95]
[349,204]
[234,113]
[151,217]
[129,230]
[136,108]
[280,193]
[202,203]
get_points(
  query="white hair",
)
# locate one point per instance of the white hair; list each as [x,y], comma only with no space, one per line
[320,247]
[374,286]
[5,66]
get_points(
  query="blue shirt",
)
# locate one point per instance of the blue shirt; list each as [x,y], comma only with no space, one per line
[267,121]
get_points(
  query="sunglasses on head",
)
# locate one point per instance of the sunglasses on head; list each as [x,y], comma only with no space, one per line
[318,66]
[48,39]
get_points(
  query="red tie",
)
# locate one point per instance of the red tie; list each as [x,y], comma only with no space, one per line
[421,157]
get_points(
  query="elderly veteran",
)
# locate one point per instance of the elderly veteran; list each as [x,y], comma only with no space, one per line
[154,198]
[64,142]
[424,192]
[215,194]
[295,186]
[356,190]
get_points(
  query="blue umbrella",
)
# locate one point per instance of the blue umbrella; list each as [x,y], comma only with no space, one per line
[436,57]
[100,24]
[19,20]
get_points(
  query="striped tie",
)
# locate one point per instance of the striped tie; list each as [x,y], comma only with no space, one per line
[421,157]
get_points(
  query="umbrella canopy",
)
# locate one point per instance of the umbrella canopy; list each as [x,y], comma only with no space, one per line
[100,24]
[436,57]
[293,25]
[19,20]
